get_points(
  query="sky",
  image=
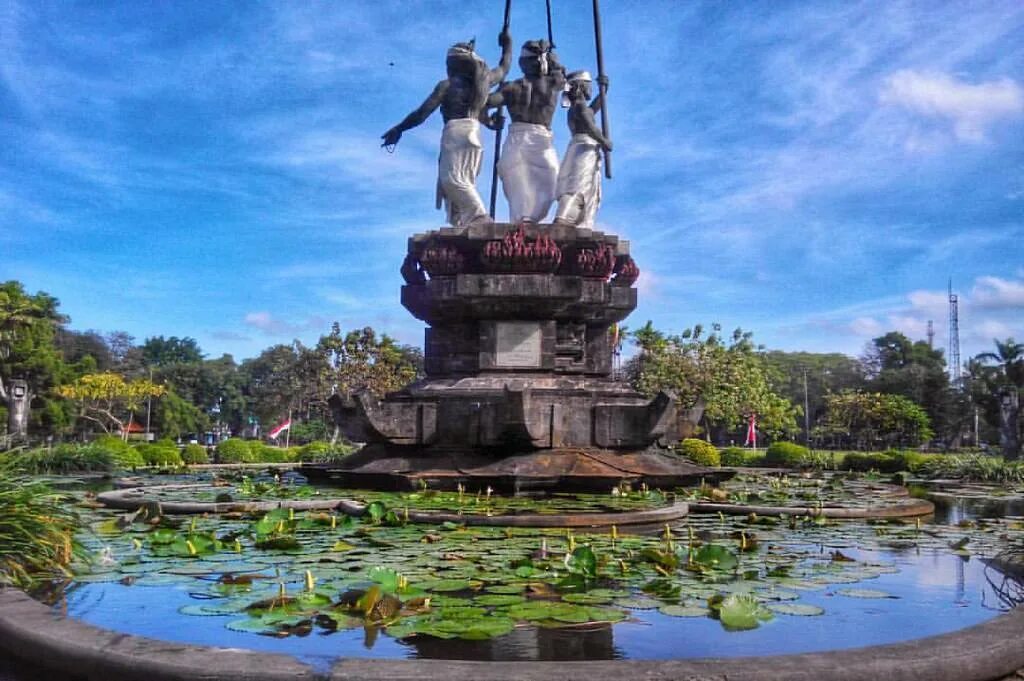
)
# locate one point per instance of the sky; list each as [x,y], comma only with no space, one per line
[814,172]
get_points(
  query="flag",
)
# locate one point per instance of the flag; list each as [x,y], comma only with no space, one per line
[751,440]
[280,428]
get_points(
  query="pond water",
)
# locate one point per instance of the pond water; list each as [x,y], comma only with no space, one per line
[932,593]
[706,585]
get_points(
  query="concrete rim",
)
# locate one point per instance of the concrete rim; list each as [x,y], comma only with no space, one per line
[33,632]
[908,508]
[131,498]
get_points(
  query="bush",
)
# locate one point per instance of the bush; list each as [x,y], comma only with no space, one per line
[734,456]
[234,450]
[62,458]
[160,453]
[320,451]
[193,454]
[700,452]
[786,454]
[264,453]
[36,527]
[122,453]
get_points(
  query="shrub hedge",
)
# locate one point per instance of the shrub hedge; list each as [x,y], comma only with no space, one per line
[194,454]
[787,454]
[700,452]
[160,453]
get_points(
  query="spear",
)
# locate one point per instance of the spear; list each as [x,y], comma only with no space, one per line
[500,120]
[604,90]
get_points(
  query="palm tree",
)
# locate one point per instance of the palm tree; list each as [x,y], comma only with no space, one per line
[1009,356]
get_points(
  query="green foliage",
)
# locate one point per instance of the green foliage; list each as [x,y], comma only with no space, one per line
[727,373]
[976,467]
[62,458]
[194,454]
[108,399]
[160,351]
[358,359]
[123,454]
[234,450]
[36,527]
[175,416]
[263,453]
[733,456]
[160,453]
[786,454]
[324,452]
[699,452]
[309,431]
[867,419]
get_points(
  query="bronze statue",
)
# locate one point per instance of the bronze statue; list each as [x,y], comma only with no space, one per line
[529,163]
[462,97]
[579,178]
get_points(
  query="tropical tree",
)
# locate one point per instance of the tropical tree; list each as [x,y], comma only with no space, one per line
[360,359]
[109,400]
[160,351]
[27,351]
[999,388]
[865,420]
[726,372]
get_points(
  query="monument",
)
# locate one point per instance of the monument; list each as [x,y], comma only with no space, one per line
[521,317]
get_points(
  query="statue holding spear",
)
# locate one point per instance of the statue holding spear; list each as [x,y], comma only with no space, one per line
[462,97]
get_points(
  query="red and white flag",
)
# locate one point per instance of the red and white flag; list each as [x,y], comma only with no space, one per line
[751,440]
[279,428]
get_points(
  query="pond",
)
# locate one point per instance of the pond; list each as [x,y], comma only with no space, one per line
[320,586]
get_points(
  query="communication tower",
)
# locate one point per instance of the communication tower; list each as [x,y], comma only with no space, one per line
[931,335]
[954,338]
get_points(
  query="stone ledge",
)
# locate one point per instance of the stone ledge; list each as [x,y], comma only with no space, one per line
[29,630]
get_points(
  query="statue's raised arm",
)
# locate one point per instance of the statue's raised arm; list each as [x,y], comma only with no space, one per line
[462,99]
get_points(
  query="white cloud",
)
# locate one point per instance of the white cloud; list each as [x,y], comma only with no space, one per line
[970,108]
[993,292]
[866,326]
[270,325]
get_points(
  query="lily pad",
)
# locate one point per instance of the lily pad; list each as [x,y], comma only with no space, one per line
[865,593]
[684,611]
[801,609]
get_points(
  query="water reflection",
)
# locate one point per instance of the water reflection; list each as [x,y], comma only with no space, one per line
[594,642]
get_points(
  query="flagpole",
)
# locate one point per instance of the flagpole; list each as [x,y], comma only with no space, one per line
[288,432]
[604,90]
[501,124]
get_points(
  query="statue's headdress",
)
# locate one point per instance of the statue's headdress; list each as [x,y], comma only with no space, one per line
[539,49]
[467,49]
[574,80]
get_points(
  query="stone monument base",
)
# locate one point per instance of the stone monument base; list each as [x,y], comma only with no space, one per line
[578,469]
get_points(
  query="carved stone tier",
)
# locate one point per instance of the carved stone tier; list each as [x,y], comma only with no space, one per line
[518,357]
[498,299]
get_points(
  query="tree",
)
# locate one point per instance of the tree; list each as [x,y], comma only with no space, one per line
[109,400]
[866,420]
[810,377]
[160,351]
[359,359]
[27,327]
[896,365]
[1000,382]
[727,373]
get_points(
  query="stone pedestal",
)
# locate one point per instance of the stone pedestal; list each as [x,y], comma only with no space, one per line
[518,356]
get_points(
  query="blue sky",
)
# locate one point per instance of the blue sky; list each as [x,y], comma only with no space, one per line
[813,172]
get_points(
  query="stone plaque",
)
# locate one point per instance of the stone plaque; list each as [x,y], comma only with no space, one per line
[518,344]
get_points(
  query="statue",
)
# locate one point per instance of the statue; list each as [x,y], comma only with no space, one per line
[579,179]
[529,163]
[462,97]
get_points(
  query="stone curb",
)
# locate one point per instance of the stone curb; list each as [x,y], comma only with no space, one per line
[903,509]
[131,498]
[31,631]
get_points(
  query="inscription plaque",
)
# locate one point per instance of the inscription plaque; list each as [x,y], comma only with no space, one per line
[518,344]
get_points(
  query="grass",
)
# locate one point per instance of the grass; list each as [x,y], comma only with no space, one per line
[36,528]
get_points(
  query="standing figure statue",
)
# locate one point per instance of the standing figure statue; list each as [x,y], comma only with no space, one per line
[529,164]
[579,179]
[462,97]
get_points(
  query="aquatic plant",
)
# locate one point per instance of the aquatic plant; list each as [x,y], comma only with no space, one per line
[36,526]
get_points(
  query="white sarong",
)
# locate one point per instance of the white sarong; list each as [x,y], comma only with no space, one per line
[457,169]
[529,171]
[579,182]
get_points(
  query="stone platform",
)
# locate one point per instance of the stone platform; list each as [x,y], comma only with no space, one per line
[518,355]
[382,467]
